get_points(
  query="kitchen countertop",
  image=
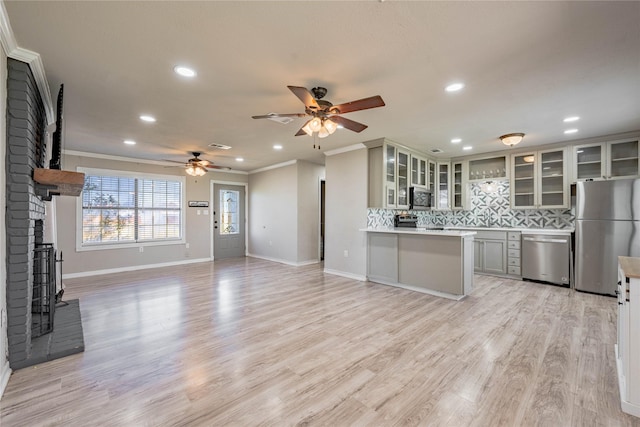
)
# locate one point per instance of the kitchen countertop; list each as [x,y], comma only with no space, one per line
[421,231]
[630,266]
[522,230]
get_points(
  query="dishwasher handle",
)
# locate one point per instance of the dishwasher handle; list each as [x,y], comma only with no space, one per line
[544,240]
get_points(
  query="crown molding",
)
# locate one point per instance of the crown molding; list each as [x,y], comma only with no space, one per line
[11,48]
[346,149]
[276,166]
[134,160]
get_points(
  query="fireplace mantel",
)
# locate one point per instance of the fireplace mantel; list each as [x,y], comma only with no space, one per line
[56,182]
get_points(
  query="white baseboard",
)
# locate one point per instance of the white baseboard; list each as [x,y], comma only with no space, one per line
[4,378]
[133,268]
[284,261]
[346,274]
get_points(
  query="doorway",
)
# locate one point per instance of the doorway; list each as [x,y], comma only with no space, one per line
[322,208]
[228,220]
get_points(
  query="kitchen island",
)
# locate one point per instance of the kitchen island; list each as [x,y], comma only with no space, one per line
[436,262]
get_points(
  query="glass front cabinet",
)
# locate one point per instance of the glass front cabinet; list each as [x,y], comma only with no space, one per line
[539,180]
[443,186]
[418,171]
[459,190]
[608,160]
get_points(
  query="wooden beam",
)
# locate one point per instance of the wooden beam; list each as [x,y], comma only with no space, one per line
[65,183]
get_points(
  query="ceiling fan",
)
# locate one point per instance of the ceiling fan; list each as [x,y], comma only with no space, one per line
[197,166]
[325,117]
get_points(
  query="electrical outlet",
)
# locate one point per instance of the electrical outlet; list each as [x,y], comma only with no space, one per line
[346,253]
[186,245]
[141,249]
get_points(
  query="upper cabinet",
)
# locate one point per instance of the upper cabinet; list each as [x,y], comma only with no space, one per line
[539,180]
[489,168]
[459,184]
[443,186]
[388,177]
[608,160]
[418,171]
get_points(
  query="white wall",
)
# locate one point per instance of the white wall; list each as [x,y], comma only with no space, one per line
[309,176]
[284,212]
[197,227]
[273,214]
[5,371]
[346,213]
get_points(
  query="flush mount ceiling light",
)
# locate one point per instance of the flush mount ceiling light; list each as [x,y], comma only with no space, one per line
[454,87]
[129,142]
[571,119]
[467,147]
[512,139]
[277,147]
[456,140]
[239,159]
[570,131]
[184,71]
[147,118]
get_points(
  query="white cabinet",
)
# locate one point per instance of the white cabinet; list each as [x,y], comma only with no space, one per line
[388,177]
[443,186]
[459,184]
[418,171]
[431,177]
[608,160]
[513,253]
[628,342]
[539,180]
[490,252]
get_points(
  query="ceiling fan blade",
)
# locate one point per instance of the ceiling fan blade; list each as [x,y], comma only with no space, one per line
[270,115]
[360,104]
[173,161]
[304,95]
[348,124]
[302,132]
[218,167]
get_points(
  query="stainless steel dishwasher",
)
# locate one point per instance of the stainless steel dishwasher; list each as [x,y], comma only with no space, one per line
[546,257]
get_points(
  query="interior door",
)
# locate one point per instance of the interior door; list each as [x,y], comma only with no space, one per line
[228,221]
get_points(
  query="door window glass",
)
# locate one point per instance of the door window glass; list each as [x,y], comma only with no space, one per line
[229,215]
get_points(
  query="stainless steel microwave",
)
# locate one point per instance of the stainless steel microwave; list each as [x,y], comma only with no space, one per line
[420,198]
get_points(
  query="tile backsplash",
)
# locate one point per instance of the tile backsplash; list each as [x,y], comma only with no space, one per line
[488,210]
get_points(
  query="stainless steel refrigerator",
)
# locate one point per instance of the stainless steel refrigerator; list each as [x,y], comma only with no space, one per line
[607,226]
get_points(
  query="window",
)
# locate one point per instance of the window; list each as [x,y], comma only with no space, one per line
[120,208]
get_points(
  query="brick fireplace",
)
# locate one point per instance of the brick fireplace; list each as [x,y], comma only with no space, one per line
[25,214]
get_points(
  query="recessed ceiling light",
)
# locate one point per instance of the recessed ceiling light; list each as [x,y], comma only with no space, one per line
[571,119]
[454,87]
[129,142]
[184,71]
[456,140]
[571,131]
[239,159]
[277,147]
[147,118]
[467,147]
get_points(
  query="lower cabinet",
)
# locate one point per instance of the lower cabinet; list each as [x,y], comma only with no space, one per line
[490,252]
[628,340]
[513,253]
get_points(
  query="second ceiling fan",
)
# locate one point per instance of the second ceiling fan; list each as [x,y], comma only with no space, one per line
[326,117]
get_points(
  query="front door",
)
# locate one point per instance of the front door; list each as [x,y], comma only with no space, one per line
[228,221]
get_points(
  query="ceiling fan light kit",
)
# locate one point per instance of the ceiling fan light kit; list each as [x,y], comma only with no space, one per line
[512,139]
[195,170]
[325,117]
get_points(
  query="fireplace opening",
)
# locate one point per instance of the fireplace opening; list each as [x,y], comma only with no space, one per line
[43,302]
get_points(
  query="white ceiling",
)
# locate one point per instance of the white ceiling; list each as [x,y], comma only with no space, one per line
[526,66]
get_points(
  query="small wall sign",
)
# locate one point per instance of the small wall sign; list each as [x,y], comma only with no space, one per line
[198,204]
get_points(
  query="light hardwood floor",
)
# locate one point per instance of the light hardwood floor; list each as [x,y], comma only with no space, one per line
[251,342]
